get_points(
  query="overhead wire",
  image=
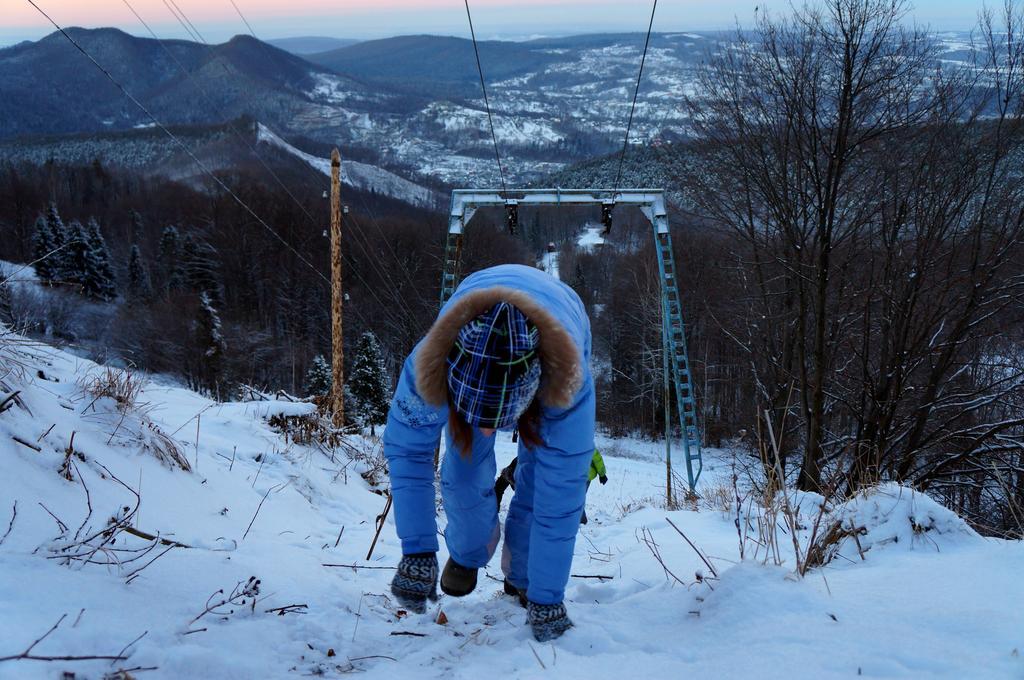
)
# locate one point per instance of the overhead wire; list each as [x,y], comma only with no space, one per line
[185,17]
[176,140]
[188,30]
[487,104]
[636,92]
[372,216]
[185,22]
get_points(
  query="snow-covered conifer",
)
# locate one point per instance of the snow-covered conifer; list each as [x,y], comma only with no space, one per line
[98,277]
[210,342]
[368,381]
[76,259]
[139,286]
[171,274]
[199,264]
[318,377]
[42,251]
[60,236]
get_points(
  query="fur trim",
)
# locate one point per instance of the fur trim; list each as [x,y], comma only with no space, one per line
[561,364]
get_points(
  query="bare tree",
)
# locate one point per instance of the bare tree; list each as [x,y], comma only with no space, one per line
[874,196]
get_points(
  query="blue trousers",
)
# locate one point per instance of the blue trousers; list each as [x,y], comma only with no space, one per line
[472,534]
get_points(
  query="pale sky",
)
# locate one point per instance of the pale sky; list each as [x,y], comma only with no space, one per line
[217,21]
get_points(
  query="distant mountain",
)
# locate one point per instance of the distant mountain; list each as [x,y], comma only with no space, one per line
[311,44]
[435,65]
[49,87]
[409,102]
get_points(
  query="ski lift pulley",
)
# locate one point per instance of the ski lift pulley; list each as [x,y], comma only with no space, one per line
[512,216]
[606,215]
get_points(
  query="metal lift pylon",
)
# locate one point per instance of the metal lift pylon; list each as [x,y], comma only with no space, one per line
[465,203]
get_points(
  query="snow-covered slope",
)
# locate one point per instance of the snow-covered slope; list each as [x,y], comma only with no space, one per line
[938,602]
[359,175]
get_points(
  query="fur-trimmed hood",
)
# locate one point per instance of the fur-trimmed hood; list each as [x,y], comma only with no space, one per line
[562,359]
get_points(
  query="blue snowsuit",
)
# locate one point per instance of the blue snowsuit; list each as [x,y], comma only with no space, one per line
[544,515]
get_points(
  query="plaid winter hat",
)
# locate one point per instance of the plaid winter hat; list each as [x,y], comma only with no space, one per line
[494,368]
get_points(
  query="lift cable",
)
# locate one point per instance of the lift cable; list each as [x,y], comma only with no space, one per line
[487,104]
[636,92]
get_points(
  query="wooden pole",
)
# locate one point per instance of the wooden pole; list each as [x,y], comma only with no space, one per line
[338,351]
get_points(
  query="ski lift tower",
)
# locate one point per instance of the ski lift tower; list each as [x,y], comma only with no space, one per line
[465,203]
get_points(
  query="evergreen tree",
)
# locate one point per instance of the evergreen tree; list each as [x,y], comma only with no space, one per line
[210,342]
[171,273]
[98,280]
[137,228]
[139,286]
[199,264]
[318,377]
[6,304]
[368,381]
[42,249]
[75,266]
[59,237]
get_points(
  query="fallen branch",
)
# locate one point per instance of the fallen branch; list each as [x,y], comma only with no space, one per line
[381,518]
[356,566]
[288,609]
[14,516]
[27,655]
[25,443]
[597,576]
[273,488]
[536,656]
[9,401]
[150,537]
[408,632]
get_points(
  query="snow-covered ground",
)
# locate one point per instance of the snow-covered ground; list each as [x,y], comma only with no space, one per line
[591,237]
[360,175]
[549,263]
[932,601]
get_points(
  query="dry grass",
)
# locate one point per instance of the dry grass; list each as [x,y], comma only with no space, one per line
[121,385]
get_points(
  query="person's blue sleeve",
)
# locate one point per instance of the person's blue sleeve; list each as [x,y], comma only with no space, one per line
[560,488]
[410,439]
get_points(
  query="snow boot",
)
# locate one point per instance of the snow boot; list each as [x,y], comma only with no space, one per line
[517,593]
[457,580]
[548,621]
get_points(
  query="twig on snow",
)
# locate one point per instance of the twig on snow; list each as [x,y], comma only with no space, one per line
[25,443]
[381,518]
[60,525]
[288,609]
[125,648]
[14,516]
[536,655]
[695,548]
[27,655]
[273,488]
[356,566]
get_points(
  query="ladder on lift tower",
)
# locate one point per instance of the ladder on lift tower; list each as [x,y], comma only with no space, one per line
[675,344]
[651,202]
